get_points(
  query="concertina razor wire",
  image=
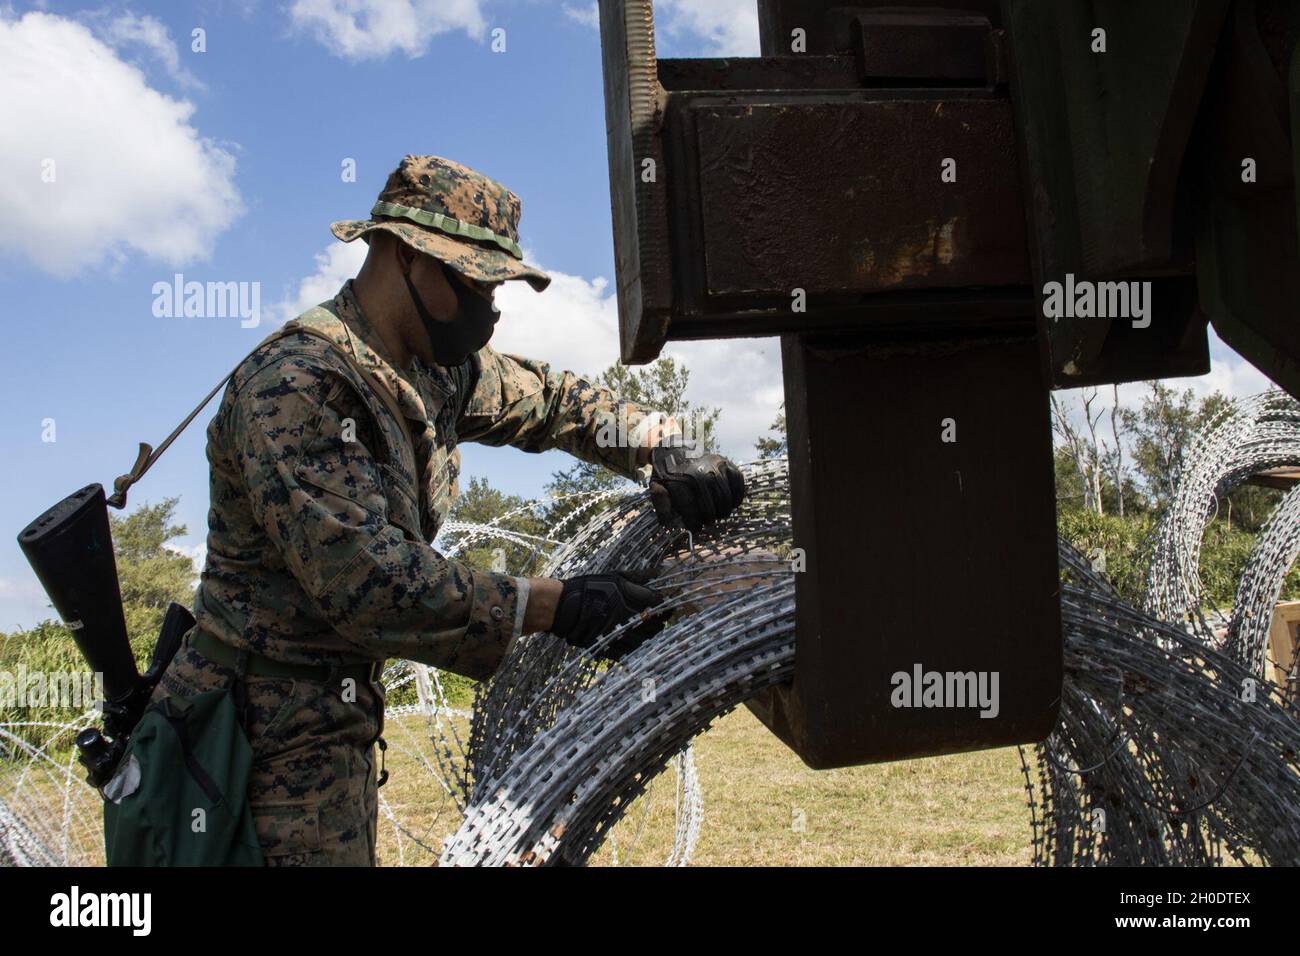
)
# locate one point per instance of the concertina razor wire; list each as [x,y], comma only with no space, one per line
[1173,746]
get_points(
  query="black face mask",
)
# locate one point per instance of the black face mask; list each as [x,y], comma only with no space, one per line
[471,328]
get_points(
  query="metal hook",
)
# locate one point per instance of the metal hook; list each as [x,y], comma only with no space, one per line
[690,541]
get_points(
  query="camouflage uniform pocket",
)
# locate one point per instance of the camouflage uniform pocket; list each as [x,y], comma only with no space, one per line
[440,492]
[403,508]
[271,701]
[289,832]
[326,466]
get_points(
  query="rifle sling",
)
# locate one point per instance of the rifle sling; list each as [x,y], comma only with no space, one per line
[148,455]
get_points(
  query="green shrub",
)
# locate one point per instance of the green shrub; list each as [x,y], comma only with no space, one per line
[1125,542]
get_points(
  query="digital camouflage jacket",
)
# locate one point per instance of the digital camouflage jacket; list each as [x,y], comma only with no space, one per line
[322,516]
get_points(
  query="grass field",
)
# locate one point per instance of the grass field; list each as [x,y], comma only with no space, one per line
[763,807]
[962,810]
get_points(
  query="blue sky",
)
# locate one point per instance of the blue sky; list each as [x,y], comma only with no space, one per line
[225,165]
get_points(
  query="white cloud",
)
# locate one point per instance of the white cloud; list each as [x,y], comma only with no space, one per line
[728,27]
[335,264]
[129,29]
[372,29]
[197,553]
[1229,373]
[131,173]
[743,378]
[574,325]
[588,16]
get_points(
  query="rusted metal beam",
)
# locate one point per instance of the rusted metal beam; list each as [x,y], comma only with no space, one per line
[633,115]
[731,177]
[780,209]
[946,561]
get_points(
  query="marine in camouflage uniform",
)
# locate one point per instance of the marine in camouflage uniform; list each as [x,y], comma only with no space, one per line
[323,506]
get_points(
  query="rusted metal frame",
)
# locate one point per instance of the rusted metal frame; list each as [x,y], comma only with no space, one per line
[700,313]
[992,381]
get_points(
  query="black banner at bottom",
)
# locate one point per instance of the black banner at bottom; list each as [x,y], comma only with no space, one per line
[389,906]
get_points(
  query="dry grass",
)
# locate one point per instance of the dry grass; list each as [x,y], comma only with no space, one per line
[964,810]
[946,811]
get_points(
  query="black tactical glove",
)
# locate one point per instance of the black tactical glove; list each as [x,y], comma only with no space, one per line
[594,604]
[691,489]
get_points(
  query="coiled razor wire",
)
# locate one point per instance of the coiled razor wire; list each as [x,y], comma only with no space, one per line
[1248,436]
[1261,583]
[1168,750]
[457,762]
[562,743]
[554,714]
[1173,746]
[49,816]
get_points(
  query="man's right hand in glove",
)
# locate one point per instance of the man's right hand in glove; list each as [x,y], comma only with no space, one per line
[583,609]
[691,489]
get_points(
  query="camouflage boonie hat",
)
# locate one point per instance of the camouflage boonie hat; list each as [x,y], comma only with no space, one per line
[452,213]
